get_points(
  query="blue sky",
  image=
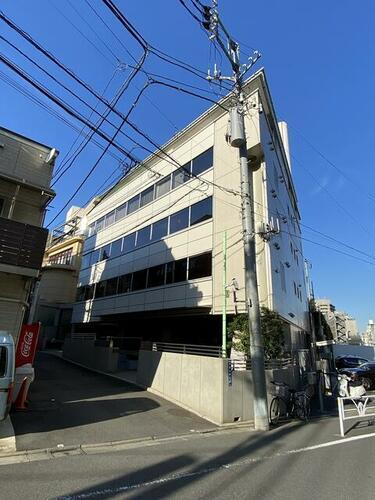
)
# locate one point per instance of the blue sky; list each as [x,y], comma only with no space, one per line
[319,63]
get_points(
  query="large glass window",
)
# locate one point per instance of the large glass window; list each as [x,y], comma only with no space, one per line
[110,218]
[179,220]
[163,186]
[169,272]
[95,256]
[105,252]
[180,268]
[99,224]
[121,211]
[156,276]
[147,196]
[116,248]
[86,260]
[160,229]
[89,292]
[125,283]
[201,211]
[181,176]
[133,204]
[111,287]
[143,236]
[100,289]
[202,162]
[139,280]
[200,266]
[128,243]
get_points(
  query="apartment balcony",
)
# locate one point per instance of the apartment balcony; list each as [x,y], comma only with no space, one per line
[21,247]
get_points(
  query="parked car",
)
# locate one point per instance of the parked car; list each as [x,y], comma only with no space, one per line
[364,373]
[349,361]
[6,373]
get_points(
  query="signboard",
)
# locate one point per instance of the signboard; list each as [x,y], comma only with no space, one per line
[27,343]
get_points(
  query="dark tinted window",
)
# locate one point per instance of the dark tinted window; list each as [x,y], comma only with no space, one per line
[128,243]
[169,272]
[156,276]
[80,293]
[133,204]
[159,229]
[179,220]
[86,260]
[99,224]
[111,287]
[121,211]
[3,360]
[116,248]
[181,176]
[143,236]
[200,266]
[100,289]
[201,211]
[95,256]
[163,186]
[110,218]
[89,292]
[125,283]
[180,268]
[139,280]
[147,196]
[202,162]
[105,252]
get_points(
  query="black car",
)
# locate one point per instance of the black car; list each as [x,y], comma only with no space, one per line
[349,361]
[364,373]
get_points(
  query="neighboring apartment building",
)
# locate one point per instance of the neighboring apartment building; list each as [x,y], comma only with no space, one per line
[56,289]
[369,335]
[343,326]
[25,173]
[153,260]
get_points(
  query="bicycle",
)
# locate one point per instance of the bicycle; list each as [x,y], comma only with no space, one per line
[289,403]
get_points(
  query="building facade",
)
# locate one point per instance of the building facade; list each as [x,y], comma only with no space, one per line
[152,263]
[25,174]
[343,327]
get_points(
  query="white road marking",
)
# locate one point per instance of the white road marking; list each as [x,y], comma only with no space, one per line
[187,475]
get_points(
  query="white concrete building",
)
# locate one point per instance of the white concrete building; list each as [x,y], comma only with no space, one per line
[26,169]
[153,260]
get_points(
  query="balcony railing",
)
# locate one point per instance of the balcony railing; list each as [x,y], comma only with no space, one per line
[21,244]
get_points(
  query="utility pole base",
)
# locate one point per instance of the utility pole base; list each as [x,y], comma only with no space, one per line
[261,424]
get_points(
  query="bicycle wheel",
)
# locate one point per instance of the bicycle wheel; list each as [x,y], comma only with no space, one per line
[277,410]
[302,407]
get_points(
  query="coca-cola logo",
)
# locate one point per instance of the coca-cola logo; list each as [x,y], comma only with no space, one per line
[26,344]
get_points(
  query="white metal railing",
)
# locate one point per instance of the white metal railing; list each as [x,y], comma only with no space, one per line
[360,410]
[199,350]
[82,337]
[269,364]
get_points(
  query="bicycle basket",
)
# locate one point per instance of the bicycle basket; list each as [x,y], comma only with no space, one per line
[280,390]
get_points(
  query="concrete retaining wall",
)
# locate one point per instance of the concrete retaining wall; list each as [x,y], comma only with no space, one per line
[86,353]
[204,385]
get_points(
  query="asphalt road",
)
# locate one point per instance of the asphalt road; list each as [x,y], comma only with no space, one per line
[70,405]
[296,461]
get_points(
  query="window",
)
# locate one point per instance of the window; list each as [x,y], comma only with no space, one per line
[163,186]
[95,256]
[89,292]
[179,220]
[116,248]
[181,176]
[201,211]
[92,229]
[143,236]
[121,212]
[169,273]
[200,266]
[110,218]
[156,276]
[179,271]
[3,358]
[100,289]
[86,260]
[64,257]
[124,283]
[99,224]
[111,288]
[147,196]
[105,252]
[202,162]
[133,204]
[282,277]
[139,280]
[80,293]
[128,243]
[160,229]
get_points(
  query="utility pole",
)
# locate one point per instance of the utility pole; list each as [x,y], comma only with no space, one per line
[224,312]
[213,24]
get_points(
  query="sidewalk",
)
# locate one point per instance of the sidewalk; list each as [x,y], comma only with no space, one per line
[7,438]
